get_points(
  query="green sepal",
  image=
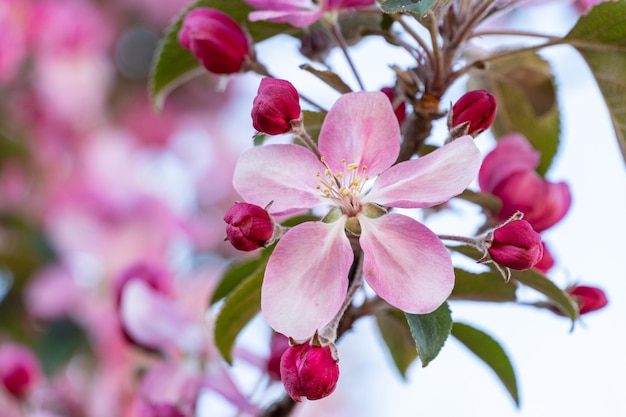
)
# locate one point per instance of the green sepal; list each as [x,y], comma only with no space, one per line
[491,353]
[430,331]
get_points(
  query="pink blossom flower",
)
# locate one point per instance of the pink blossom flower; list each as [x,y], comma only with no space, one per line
[508,172]
[299,13]
[404,262]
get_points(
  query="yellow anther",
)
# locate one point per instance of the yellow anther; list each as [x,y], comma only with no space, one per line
[327,172]
[352,166]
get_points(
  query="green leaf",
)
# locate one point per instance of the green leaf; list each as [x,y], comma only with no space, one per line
[600,37]
[487,201]
[535,280]
[329,77]
[239,308]
[430,332]
[237,273]
[397,336]
[173,64]
[525,91]
[62,340]
[491,353]
[538,282]
[486,286]
[403,6]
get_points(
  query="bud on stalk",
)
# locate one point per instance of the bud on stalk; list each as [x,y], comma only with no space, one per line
[249,226]
[275,106]
[309,371]
[215,39]
[473,113]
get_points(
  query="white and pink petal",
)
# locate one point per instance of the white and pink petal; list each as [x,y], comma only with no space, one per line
[362,129]
[284,174]
[405,263]
[428,180]
[306,278]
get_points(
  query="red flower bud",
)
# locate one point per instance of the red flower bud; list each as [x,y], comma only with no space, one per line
[477,107]
[589,298]
[249,226]
[400,109]
[19,369]
[276,104]
[547,261]
[516,245]
[309,371]
[215,39]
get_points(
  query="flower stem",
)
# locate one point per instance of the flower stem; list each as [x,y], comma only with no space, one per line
[463,239]
[336,32]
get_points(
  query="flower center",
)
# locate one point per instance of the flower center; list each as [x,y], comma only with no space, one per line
[345,187]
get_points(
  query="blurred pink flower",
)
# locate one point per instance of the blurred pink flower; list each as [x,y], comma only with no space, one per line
[307,275]
[20,371]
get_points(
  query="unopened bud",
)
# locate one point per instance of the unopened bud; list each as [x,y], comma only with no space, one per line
[399,108]
[475,110]
[547,260]
[588,298]
[515,245]
[309,371]
[215,39]
[19,369]
[276,104]
[249,226]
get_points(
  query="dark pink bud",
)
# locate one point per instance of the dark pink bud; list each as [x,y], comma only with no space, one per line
[547,261]
[543,203]
[276,104]
[19,369]
[477,107]
[516,245]
[309,371]
[215,39]
[249,226]
[400,109]
[589,298]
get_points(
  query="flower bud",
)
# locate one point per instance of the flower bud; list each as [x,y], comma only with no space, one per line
[588,298]
[547,260]
[400,108]
[309,371]
[276,104]
[477,108]
[516,245]
[215,39]
[19,369]
[249,227]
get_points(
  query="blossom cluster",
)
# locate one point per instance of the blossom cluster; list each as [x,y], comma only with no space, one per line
[136,245]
